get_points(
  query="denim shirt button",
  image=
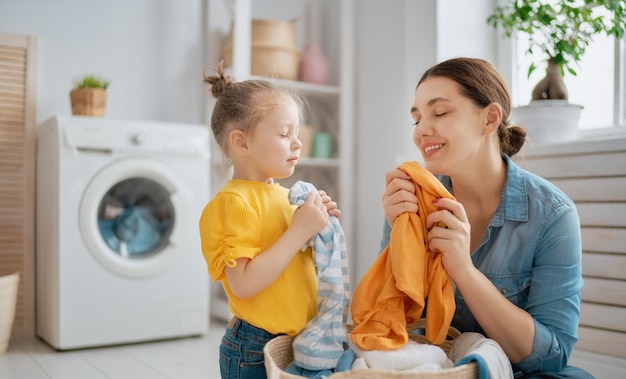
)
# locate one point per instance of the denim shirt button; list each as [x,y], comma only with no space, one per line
[504,290]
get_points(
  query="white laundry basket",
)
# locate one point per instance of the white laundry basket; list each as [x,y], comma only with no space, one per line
[8,299]
[278,354]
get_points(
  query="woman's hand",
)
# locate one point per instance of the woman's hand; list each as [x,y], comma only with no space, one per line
[331,206]
[399,196]
[449,234]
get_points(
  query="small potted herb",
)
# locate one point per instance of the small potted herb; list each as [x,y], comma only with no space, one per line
[89,95]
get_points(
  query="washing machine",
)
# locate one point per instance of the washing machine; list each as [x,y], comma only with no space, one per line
[118,257]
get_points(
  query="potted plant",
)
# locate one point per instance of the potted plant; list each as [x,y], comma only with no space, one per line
[561,30]
[88,95]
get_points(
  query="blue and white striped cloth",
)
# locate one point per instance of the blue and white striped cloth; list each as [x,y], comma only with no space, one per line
[321,343]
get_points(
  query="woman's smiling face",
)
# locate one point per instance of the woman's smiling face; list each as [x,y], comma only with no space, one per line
[448,129]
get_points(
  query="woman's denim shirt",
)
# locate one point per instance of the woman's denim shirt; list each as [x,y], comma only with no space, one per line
[531,252]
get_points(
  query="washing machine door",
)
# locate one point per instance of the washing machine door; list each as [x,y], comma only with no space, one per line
[131,216]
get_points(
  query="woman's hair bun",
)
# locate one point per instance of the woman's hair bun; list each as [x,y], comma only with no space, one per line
[515,136]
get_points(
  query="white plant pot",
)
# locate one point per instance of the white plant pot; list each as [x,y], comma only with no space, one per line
[548,121]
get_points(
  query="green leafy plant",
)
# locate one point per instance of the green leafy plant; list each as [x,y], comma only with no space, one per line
[91,81]
[561,29]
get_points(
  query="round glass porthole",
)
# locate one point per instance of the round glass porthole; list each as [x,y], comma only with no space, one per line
[136,218]
[132,216]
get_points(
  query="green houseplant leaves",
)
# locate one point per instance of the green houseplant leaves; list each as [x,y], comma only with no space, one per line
[561,29]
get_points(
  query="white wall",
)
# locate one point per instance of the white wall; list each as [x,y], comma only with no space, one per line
[395,42]
[153,51]
[150,49]
[385,79]
[462,29]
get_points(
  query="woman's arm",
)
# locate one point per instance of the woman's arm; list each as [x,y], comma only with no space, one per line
[554,292]
[512,327]
[541,336]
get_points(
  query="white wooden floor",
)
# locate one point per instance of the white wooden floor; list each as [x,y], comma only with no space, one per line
[185,358]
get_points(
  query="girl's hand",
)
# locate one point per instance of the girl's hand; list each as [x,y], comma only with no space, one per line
[453,239]
[331,206]
[399,196]
[310,217]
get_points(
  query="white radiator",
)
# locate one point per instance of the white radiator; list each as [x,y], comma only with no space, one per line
[593,174]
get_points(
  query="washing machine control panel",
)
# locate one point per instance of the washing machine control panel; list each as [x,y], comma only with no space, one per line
[117,136]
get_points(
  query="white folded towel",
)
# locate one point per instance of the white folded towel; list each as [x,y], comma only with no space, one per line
[413,356]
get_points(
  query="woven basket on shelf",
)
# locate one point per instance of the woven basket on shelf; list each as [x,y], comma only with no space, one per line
[279,354]
[274,49]
[88,102]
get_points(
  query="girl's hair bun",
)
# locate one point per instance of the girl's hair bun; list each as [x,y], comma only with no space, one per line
[218,82]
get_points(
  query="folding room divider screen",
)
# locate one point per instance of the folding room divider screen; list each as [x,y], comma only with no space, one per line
[18,57]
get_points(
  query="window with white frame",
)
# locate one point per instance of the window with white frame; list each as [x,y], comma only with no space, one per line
[599,86]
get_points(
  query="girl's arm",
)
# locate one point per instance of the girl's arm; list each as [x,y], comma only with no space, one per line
[251,276]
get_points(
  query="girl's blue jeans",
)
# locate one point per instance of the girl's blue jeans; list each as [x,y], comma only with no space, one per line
[241,351]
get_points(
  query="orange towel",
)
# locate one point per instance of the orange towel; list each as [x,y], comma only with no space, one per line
[393,291]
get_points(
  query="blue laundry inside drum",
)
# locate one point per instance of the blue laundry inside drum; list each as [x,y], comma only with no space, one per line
[136,217]
[134,232]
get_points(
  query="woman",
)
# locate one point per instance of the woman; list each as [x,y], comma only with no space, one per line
[512,243]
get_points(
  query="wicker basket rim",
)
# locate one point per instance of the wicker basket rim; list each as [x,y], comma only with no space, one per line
[263,20]
[228,47]
[278,355]
[88,89]
[273,21]
[10,278]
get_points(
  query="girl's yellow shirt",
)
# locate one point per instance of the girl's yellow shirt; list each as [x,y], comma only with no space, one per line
[244,219]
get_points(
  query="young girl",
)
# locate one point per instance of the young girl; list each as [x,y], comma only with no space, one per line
[252,237]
